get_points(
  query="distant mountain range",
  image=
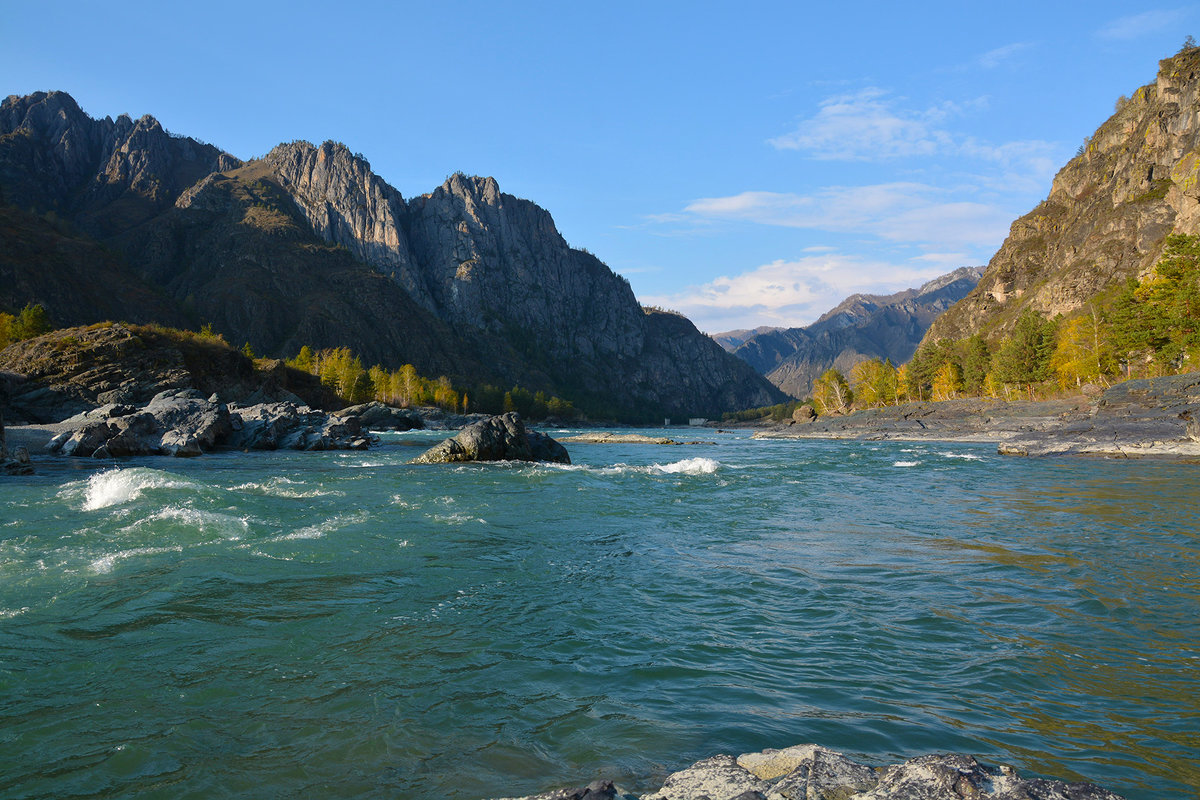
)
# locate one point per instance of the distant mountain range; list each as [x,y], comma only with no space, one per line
[861,327]
[119,219]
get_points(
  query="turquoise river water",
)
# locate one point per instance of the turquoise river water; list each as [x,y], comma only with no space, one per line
[346,625]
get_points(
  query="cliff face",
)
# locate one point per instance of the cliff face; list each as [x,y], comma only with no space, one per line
[309,246]
[861,327]
[1109,210]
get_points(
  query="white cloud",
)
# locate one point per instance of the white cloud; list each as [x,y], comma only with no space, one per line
[1135,26]
[791,293]
[994,58]
[866,125]
[900,212]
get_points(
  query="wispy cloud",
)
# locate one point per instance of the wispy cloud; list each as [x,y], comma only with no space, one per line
[867,125]
[994,58]
[796,292]
[1136,26]
[900,212]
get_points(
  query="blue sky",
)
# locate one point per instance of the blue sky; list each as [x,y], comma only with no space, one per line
[746,166]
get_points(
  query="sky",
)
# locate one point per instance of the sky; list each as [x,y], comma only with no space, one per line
[746,166]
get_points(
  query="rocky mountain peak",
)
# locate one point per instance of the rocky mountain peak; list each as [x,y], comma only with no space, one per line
[346,203]
[107,175]
[1110,209]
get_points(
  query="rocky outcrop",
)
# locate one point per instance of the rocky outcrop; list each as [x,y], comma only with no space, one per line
[976,420]
[347,204]
[502,438]
[184,423]
[1136,180]
[811,772]
[379,417]
[861,327]
[1153,417]
[73,370]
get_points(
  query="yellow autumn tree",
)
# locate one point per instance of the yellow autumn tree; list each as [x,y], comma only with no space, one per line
[832,393]
[1082,352]
[947,381]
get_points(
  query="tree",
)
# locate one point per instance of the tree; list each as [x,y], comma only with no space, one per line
[875,382]
[248,351]
[1024,357]
[947,381]
[832,393]
[977,359]
[1082,352]
[32,321]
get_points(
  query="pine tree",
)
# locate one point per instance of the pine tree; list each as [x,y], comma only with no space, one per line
[977,359]
[1024,357]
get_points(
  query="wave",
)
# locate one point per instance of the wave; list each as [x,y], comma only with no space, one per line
[117,486]
[319,530]
[905,463]
[967,456]
[283,487]
[106,563]
[690,466]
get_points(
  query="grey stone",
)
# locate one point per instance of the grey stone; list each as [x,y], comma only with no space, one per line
[502,438]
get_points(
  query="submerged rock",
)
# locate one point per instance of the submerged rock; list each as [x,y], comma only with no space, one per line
[502,438]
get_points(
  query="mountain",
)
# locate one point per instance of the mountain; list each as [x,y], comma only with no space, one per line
[731,340]
[861,327]
[309,246]
[1110,209]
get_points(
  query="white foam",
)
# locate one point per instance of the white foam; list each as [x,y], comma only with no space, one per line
[968,456]
[117,486]
[690,466]
[905,463]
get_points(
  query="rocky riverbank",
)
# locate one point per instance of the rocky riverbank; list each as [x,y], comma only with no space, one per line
[811,772]
[1153,417]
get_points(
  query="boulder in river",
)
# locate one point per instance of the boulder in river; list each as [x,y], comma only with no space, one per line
[502,438]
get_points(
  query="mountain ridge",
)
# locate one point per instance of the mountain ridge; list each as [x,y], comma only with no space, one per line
[471,276]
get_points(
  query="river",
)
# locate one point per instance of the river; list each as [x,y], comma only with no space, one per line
[345,624]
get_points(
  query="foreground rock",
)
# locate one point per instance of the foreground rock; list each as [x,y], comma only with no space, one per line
[502,438]
[811,772]
[182,422]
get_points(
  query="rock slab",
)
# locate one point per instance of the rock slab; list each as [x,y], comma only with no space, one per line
[502,438]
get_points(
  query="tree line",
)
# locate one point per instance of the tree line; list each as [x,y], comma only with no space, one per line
[343,371]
